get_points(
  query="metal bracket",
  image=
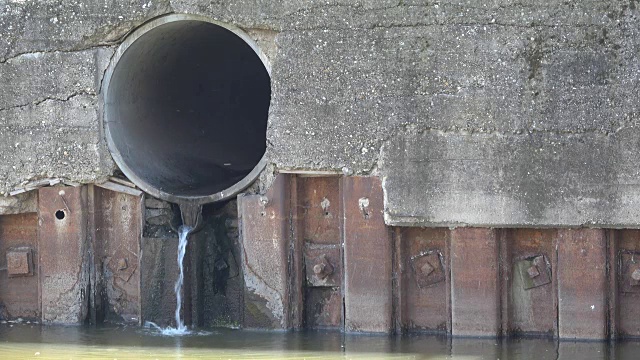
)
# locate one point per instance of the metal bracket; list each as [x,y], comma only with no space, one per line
[427,268]
[535,271]
[323,266]
[629,272]
[20,262]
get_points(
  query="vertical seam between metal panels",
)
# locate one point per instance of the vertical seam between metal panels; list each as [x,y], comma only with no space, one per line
[296,299]
[556,290]
[343,287]
[498,238]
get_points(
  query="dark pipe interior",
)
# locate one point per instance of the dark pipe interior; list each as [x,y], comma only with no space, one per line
[187,108]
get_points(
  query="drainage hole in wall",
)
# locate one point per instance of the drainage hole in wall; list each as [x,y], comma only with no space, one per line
[60,214]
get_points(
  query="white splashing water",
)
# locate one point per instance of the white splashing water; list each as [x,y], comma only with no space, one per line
[180,328]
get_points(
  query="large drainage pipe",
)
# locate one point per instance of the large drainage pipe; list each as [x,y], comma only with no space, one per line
[186,105]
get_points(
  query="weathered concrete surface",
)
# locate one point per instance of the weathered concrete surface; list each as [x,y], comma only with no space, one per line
[504,114]
[499,113]
[532,179]
[52,59]
[49,118]
[19,204]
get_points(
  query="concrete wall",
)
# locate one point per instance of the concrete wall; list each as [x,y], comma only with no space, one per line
[474,113]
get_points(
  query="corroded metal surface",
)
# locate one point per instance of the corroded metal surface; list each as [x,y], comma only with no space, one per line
[20,262]
[368,256]
[117,246]
[319,207]
[19,294]
[626,257]
[582,284]
[315,253]
[424,304]
[475,292]
[529,302]
[323,308]
[319,222]
[64,266]
[158,273]
[264,227]
[323,267]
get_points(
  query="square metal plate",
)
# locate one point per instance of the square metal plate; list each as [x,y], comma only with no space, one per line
[534,271]
[427,268]
[19,262]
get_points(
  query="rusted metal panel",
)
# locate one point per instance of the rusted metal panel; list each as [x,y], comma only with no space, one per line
[533,271]
[296,259]
[528,276]
[323,266]
[427,268]
[582,283]
[318,232]
[325,310]
[322,293]
[628,294]
[264,233]
[629,275]
[475,293]
[424,279]
[118,222]
[613,239]
[20,262]
[158,274]
[319,208]
[368,257]
[18,293]
[63,255]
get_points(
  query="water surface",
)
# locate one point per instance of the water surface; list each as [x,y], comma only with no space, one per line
[28,341]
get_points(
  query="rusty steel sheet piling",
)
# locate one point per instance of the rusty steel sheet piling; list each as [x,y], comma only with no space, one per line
[64,263]
[314,252]
[368,256]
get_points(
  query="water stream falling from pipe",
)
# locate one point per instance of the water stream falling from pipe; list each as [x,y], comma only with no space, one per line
[180,329]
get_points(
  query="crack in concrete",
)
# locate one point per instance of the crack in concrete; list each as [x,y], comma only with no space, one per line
[58,51]
[443,24]
[400,4]
[104,72]
[46,99]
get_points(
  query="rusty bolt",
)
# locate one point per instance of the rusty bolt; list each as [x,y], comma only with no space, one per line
[323,268]
[635,275]
[533,271]
[318,268]
[427,269]
[122,264]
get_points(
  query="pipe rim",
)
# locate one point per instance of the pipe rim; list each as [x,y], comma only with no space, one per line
[115,153]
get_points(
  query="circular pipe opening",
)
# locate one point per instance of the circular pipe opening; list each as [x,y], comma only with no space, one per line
[186,107]
[60,214]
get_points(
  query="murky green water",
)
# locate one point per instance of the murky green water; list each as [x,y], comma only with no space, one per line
[24,341]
